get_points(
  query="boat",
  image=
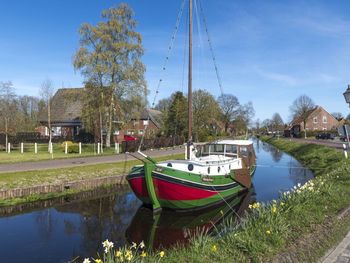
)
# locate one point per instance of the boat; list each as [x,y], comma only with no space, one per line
[210,174]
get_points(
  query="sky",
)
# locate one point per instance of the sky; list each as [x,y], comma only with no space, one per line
[267,52]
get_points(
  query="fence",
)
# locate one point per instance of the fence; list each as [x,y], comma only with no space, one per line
[84,148]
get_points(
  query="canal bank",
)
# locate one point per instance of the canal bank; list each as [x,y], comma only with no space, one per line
[29,186]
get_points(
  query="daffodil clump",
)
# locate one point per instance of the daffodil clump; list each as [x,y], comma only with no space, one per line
[134,253]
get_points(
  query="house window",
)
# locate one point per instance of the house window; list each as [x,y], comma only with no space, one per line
[324,129]
[145,122]
[324,119]
[47,131]
[315,119]
[135,123]
[56,131]
[116,132]
[141,132]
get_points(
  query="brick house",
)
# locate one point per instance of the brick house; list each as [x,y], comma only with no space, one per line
[317,119]
[136,127]
[66,111]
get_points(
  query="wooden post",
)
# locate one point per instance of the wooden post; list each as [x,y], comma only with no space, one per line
[98,148]
[35,148]
[79,147]
[66,148]
[21,147]
[116,145]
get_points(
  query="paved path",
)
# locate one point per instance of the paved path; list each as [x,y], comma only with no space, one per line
[341,254]
[73,162]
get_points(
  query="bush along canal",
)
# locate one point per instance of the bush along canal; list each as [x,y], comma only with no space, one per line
[64,229]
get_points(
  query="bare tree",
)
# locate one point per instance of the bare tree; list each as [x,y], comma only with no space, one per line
[338,115]
[301,107]
[46,92]
[229,106]
[7,101]
[277,122]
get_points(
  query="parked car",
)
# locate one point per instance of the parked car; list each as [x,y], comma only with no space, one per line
[325,136]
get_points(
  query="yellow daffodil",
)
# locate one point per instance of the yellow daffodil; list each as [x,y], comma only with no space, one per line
[161,254]
[129,258]
[128,253]
[274,209]
[143,254]
[214,248]
[98,260]
[118,254]
[268,232]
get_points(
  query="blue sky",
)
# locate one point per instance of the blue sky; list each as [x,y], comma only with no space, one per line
[268,52]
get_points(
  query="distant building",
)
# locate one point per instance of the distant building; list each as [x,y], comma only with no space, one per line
[317,119]
[66,112]
[137,127]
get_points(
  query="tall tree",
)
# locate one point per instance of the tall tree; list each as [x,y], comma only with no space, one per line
[110,57]
[300,108]
[206,112]
[338,115]
[175,118]
[46,92]
[277,122]
[229,106]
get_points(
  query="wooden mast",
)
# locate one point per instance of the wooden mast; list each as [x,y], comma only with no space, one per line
[189,142]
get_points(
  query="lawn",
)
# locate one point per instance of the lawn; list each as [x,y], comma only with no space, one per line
[29,155]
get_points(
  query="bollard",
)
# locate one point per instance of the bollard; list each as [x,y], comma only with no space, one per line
[66,148]
[9,147]
[98,148]
[345,152]
[35,148]
[21,147]
[79,147]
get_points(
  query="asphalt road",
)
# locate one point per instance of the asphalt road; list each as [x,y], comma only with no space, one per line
[329,143]
[74,162]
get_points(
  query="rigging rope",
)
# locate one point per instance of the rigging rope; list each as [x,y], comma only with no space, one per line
[210,46]
[170,47]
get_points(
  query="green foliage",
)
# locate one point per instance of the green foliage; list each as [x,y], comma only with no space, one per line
[175,118]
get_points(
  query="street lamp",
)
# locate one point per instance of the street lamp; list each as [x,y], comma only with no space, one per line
[347,95]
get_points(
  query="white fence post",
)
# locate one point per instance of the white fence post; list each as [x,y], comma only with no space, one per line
[35,148]
[101,148]
[116,145]
[98,148]
[66,148]
[345,152]
[9,147]
[21,147]
[79,147]
[51,148]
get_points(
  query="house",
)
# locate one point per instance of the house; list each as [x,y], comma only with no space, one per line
[66,112]
[317,119]
[137,127]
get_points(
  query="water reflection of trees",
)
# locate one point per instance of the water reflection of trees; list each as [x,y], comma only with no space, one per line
[276,154]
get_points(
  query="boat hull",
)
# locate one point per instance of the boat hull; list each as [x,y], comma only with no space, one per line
[178,190]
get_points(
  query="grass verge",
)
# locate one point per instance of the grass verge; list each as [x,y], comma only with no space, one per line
[299,227]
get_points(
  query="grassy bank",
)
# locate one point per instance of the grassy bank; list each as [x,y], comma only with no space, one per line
[56,176]
[300,227]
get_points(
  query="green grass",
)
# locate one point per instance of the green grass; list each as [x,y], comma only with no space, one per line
[55,176]
[15,156]
[301,226]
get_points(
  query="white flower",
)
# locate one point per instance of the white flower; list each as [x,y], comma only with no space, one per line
[107,245]
[142,245]
[299,184]
[86,260]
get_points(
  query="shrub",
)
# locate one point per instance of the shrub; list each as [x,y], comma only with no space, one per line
[72,147]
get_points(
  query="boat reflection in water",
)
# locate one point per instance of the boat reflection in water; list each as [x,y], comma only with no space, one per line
[169,228]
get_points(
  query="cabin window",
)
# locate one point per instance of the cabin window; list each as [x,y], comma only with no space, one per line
[218,169]
[243,150]
[315,119]
[190,167]
[231,149]
[208,170]
[218,148]
[324,119]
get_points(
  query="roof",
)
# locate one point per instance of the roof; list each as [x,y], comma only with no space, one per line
[299,120]
[66,105]
[153,115]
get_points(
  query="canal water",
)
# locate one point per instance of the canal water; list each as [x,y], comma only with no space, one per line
[64,229]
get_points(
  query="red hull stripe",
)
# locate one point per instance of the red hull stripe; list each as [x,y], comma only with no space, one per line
[169,191]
